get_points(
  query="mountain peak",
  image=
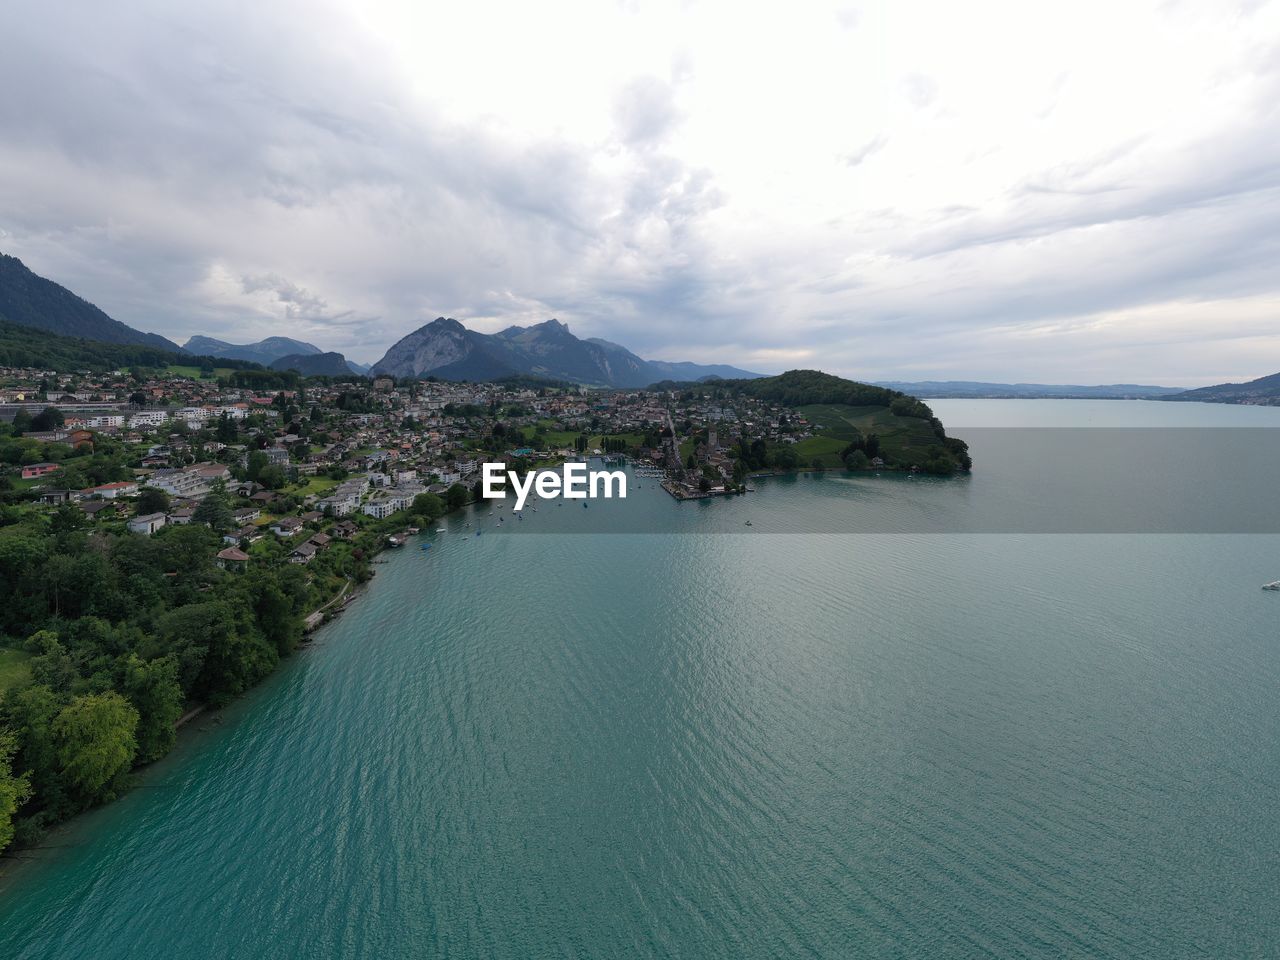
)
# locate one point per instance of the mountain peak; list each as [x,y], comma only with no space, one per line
[30,300]
[264,351]
[443,323]
[448,350]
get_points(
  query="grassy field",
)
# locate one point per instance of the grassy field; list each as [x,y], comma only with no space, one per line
[552,439]
[14,667]
[181,370]
[825,450]
[901,438]
[318,485]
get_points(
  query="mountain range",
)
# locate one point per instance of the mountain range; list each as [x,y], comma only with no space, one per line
[279,353]
[954,389]
[446,349]
[315,364]
[1265,391]
[263,352]
[30,300]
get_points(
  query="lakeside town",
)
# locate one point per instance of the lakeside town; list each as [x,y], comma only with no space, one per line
[314,462]
[169,534]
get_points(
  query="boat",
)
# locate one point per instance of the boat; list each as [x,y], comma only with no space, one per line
[426,546]
[413,529]
[439,529]
[748,523]
[394,542]
[584,506]
[1275,585]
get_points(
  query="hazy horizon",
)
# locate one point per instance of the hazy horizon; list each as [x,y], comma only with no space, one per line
[993,192]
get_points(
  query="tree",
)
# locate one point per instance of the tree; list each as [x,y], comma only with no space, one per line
[273,610]
[220,652]
[95,741]
[226,429]
[272,476]
[857,460]
[67,518]
[456,496]
[428,506]
[14,790]
[256,463]
[152,500]
[785,457]
[152,687]
[50,418]
[214,511]
[30,713]
[21,422]
[51,665]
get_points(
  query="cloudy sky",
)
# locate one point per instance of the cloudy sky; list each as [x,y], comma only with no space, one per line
[1072,192]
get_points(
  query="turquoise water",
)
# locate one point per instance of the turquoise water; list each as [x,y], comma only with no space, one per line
[752,745]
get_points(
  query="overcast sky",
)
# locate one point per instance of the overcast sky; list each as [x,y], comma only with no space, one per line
[1072,192]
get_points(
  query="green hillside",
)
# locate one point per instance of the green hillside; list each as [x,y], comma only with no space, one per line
[854,423]
[31,300]
[26,347]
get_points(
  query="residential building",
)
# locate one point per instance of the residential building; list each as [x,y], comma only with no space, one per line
[232,558]
[147,524]
[33,470]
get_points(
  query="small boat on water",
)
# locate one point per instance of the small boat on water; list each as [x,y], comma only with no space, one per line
[585,505]
[1271,586]
[747,524]
[413,529]
[441,529]
[394,542]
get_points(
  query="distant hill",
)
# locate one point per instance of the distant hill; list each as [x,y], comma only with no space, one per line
[447,350]
[1265,391]
[359,368]
[951,389]
[30,300]
[314,364]
[27,347]
[263,352]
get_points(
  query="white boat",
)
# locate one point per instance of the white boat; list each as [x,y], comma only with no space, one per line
[439,529]
[1271,586]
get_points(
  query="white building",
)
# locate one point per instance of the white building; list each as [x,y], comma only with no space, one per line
[147,524]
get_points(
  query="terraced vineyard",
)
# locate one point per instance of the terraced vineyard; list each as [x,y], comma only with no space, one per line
[909,439]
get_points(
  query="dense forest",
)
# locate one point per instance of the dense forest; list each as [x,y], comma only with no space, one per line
[27,347]
[127,632]
[124,631]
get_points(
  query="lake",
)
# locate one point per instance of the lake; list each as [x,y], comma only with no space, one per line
[645,729]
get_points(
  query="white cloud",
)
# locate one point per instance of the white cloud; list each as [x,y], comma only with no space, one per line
[999,190]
